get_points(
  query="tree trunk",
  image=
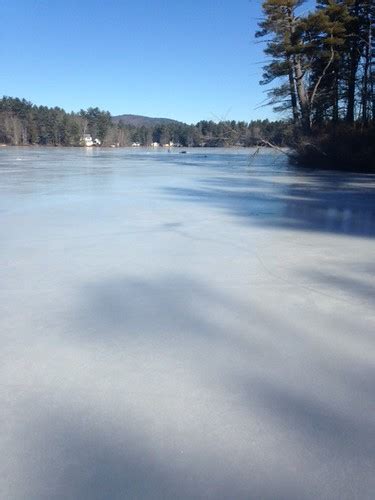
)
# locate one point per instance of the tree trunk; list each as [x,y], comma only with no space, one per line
[293,96]
[365,84]
[372,64]
[335,107]
[351,90]
[302,95]
[353,66]
[298,90]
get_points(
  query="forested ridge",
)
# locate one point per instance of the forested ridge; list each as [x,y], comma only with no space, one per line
[321,70]
[22,123]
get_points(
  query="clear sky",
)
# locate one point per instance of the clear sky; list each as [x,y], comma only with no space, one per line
[183,59]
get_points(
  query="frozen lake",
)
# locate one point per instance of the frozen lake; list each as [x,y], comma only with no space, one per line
[184,326]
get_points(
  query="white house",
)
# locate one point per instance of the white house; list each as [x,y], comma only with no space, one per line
[87,141]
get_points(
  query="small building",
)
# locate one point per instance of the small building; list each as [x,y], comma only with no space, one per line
[88,141]
[154,144]
[136,144]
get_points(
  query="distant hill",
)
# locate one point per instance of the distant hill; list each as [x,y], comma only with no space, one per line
[142,121]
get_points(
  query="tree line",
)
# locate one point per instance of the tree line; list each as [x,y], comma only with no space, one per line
[23,123]
[321,70]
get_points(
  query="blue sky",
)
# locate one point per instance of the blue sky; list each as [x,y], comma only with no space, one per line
[183,59]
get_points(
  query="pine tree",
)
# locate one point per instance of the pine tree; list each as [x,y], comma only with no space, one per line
[281,21]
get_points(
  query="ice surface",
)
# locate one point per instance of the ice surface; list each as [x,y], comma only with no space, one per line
[184,326]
